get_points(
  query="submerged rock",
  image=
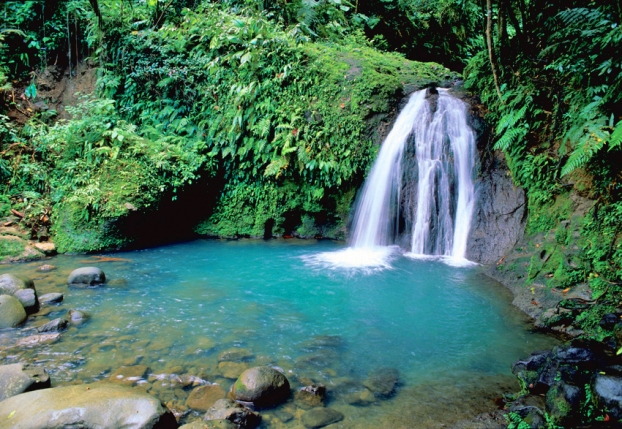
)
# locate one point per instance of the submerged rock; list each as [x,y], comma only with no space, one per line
[361,398]
[202,398]
[128,375]
[56,325]
[232,370]
[236,355]
[261,385]
[51,298]
[19,378]
[98,405]
[226,409]
[382,382]
[320,417]
[78,317]
[210,424]
[23,289]
[38,340]
[12,312]
[86,276]
[310,396]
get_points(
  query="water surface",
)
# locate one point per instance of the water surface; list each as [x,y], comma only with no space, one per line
[177,308]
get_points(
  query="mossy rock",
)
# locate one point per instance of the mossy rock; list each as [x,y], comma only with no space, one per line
[12,312]
[263,386]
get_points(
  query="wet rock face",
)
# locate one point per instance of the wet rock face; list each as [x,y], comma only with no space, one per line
[100,405]
[500,214]
[86,276]
[19,378]
[263,386]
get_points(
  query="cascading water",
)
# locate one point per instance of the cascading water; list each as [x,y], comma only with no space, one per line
[443,200]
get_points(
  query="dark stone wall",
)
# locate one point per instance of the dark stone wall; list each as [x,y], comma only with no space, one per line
[500,214]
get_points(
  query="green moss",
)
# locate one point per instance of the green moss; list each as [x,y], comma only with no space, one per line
[10,247]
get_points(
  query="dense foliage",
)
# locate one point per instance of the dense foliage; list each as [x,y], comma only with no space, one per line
[272,105]
[283,124]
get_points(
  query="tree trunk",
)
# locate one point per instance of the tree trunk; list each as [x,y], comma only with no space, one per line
[491,56]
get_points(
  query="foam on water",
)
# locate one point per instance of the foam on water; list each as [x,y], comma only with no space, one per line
[366,259]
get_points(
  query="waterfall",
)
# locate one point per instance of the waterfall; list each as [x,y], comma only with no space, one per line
[434,128]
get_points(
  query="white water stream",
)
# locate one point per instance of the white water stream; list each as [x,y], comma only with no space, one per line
[442,200]
[445,195]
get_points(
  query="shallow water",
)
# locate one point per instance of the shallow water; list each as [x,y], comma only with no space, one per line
[447,330]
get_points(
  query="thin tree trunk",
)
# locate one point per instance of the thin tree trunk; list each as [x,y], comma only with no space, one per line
[68,44]
[490,47]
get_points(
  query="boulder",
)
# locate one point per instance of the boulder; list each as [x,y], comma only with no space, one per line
[98,405]
[9,284]
[320,417]
[204,397]
[12,312]
[56,325]
[382,382]
[21,288]
[226,409]
[563,402]
[86,276]
[19,378]
[608,393]
[261,385]
[51,298]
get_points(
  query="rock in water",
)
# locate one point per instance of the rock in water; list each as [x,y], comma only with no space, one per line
[320,417]
[235,355]
[210,424]
[51,298]
[204,397]
[22,289]
[226,409]
[38,340]
[129,375]
[86,276]
[78,317]
[261,385]
[19,378]
[382,382]
[12,312]
[56,325]
[98,405]
[310,396]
